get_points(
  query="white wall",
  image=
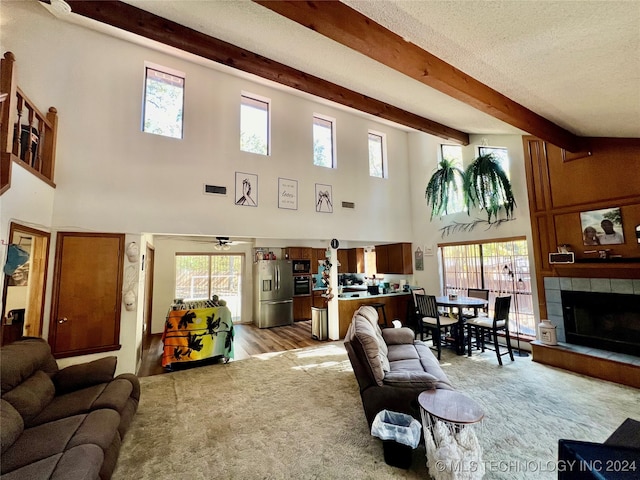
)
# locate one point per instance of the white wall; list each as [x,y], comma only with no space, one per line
[111,177]
[424,151]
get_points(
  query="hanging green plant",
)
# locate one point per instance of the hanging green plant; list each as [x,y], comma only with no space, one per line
[442,186]
[487,187]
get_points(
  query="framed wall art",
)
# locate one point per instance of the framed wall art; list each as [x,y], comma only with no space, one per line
[324,198]
[287,193]
[246,189]
[602,227]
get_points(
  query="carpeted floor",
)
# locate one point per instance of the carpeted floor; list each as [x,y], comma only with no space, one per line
[298,415]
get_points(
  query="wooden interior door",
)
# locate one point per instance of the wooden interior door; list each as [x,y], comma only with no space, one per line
[85,314]
[148,296]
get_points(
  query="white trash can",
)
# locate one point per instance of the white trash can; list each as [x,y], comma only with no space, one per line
[319,323]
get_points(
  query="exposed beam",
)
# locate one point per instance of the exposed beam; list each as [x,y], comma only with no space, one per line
[148,25]
[350,28]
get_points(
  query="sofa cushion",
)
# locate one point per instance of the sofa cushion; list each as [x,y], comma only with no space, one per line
[32,395]
[11,425]
[364,333]
[19,360]
[84,375]
[43,441]
[371,315]
[79,463]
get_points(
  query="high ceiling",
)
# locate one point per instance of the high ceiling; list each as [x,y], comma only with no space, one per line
[574,63]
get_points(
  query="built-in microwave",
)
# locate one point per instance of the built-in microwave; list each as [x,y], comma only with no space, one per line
[301,267]
[301,285]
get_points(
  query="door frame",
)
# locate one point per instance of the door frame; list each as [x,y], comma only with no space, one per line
[38,277]
[148,263]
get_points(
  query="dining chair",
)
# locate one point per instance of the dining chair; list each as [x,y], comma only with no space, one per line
[414,319]
[485,328]
[431,320]
[477,293]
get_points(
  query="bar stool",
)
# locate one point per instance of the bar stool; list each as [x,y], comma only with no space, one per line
[378,307]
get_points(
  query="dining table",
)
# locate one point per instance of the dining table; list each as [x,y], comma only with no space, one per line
[455,304]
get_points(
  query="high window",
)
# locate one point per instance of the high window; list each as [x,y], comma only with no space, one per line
[501,154]
[254,124]
[453,153]
[377,167]
[323,141]
[199,277]
[163,101]
[500,267]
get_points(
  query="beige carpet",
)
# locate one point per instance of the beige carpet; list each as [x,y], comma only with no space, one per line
[298,415]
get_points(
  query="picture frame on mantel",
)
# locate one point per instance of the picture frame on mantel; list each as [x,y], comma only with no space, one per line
[602,227]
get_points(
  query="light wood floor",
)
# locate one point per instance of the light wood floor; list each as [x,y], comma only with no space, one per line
[248,340]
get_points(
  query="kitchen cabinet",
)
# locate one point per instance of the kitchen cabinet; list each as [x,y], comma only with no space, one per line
[318,299]
[298,253]
[343,261]
[355,260]
[302,308]
[394,258]
[317,254]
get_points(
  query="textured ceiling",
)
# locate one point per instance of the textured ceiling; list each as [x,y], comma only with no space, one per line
[576,63]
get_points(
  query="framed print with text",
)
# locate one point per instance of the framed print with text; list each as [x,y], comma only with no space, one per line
[287,193]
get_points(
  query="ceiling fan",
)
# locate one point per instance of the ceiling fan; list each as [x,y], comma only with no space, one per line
[223,243]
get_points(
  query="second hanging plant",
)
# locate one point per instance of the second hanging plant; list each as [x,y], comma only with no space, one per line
[487,187]
[442,186]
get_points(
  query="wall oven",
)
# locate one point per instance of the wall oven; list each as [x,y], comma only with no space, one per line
[302,285]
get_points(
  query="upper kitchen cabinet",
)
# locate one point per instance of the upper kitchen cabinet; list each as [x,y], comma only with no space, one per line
[317,255]
[299,253]
[394,258]
[355,261]
[343,261]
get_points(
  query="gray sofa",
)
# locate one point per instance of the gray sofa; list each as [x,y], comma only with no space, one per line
[61,424]
[392,368]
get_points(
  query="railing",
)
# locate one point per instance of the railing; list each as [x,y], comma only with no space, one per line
[27,136]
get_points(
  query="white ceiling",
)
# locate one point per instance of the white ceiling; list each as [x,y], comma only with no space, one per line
[576,63]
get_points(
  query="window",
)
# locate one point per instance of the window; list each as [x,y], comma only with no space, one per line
[254,124]
[500,267]
[453,153]
[199,277]
[500,154]
[377,154]
[323,141]
[163,101]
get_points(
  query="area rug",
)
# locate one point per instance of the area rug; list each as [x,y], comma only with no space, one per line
[298,415]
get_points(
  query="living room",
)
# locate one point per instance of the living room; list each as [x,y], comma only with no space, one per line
[111,177]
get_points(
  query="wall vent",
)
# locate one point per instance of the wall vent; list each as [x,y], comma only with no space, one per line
[215,190]
[348,205]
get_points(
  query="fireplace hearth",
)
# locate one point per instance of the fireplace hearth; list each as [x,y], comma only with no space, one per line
[607,321]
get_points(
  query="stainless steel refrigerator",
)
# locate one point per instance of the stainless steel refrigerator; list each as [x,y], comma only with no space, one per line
[272,293]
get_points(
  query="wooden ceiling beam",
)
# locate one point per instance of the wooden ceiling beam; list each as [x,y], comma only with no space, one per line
[350,28]
[140,22]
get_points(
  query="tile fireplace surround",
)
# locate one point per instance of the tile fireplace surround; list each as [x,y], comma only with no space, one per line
[617,367]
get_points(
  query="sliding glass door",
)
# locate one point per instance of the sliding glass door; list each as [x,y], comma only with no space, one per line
[500,267]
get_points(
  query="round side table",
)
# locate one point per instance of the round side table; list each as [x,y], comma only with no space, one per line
[457,412]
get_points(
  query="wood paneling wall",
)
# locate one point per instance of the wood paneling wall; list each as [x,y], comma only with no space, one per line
[560,186]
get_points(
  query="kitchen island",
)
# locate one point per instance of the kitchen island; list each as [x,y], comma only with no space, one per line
[396,305]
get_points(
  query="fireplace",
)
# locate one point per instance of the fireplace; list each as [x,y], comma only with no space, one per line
[607,321]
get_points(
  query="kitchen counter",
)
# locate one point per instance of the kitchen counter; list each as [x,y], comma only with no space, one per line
[364,294]
[395,304]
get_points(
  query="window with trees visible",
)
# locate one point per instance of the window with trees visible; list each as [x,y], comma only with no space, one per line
[163,101]
[453,153]
[502,267]
[501,155]
[323,141]
[377,147]
[254,124]
[200,276]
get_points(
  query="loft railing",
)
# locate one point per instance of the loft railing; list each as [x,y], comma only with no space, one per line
[27,136]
